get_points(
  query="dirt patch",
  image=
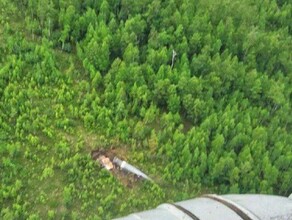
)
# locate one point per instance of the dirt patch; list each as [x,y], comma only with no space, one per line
[127,179]
[95,154]
[111,153]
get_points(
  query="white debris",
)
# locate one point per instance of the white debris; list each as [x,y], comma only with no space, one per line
[105,162]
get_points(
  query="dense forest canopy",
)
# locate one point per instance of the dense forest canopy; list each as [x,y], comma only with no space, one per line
[196,93]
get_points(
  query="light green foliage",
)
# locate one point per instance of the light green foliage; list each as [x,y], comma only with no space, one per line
[82,75]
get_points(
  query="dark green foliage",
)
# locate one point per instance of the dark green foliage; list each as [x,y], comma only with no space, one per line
[80,75]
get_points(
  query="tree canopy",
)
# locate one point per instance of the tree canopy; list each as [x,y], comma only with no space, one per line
[197,93]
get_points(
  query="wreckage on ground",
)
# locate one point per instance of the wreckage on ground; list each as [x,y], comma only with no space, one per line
[110,164]
[105,162]
[129,168]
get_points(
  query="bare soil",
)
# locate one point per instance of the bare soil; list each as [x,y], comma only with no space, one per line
[127,179]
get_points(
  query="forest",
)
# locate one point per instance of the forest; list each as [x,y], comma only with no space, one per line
[197,94]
